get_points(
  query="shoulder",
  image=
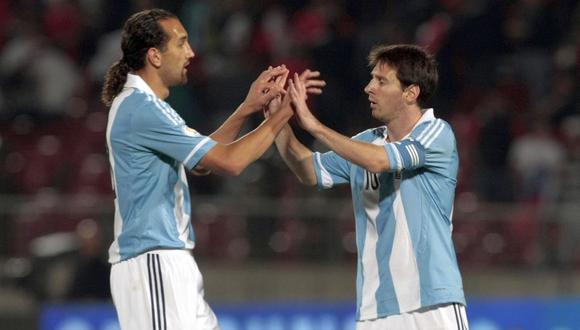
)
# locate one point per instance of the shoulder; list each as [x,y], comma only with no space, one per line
[370,134]
[132,101]
[433,130]
[148,110]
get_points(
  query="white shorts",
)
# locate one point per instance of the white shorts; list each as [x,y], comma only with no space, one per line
[440,317]
[160,290]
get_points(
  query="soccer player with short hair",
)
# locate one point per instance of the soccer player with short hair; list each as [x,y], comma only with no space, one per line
[155,282]
[402,177]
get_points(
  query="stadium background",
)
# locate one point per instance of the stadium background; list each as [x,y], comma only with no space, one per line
[276,255]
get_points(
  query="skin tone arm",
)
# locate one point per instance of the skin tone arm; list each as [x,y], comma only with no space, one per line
[296,155]
[371,157]
[233,158]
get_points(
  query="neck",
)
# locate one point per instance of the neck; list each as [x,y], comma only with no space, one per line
[403,125]
[155,82]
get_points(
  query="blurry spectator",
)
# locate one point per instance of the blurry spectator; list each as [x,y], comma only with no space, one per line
[537,158]
[567,211]
[108,51]
[495,116]
[36,77]
[62,24]
[91,275]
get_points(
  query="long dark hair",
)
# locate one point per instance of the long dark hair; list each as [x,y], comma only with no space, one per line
[141,32]
[413,64]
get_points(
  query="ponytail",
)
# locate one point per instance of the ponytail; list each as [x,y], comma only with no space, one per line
[114,81]
[141,32]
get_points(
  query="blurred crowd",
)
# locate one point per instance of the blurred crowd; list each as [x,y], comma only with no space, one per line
[509,86]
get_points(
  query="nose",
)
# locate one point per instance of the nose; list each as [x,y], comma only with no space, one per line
[368,88]
[190,54]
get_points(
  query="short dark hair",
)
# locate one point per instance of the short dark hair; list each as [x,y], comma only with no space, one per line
[413,64]
[141,32]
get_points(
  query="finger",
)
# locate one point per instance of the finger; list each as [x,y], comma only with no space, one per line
[278,89]
[281,79]
[299,84]
[273,92]
[308,74]
[266,74]
[315,83]
[297,81]
[295,89]
[316,91]
[286,99]
[270,74]
[291,89]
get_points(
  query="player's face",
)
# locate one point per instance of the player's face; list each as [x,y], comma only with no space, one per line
[385,93]
[177,54]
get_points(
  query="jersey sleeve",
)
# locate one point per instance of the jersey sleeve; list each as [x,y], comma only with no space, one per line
[161,129]
[331,169]
[430,145]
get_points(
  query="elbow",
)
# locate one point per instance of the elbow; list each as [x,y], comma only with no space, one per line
[235,172]
[307,181]
[233,169]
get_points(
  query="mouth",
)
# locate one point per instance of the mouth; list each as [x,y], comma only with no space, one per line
[373,104]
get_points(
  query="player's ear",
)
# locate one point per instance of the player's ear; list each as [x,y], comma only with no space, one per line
[154,57]
[411,93]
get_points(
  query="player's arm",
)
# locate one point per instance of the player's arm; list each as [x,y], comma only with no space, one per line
[262,90]
[233,158]
[296,155]
[371,157]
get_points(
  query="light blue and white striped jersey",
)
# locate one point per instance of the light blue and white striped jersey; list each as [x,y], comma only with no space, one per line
[149,148]
[406,258]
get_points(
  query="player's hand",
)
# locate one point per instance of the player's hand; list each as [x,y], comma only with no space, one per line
[266,87]
[298,94]
[277,102]
[312,84]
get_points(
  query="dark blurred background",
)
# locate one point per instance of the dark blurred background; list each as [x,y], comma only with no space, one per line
[508,85]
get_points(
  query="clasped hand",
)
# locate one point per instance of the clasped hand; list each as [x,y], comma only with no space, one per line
[295,96]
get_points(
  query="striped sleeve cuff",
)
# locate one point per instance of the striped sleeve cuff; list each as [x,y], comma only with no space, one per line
[407,154]
[323,178]
[198,152]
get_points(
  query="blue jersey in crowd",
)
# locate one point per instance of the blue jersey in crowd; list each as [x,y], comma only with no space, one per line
[150,148]
[406,258]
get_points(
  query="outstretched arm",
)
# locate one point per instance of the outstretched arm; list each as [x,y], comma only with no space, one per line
[369,156]
[233,158]
[296,155]
[268,85]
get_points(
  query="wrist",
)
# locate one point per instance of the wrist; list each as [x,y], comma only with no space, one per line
[246,109]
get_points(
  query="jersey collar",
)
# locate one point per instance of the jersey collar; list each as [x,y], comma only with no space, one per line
[135,81]
[428,115]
